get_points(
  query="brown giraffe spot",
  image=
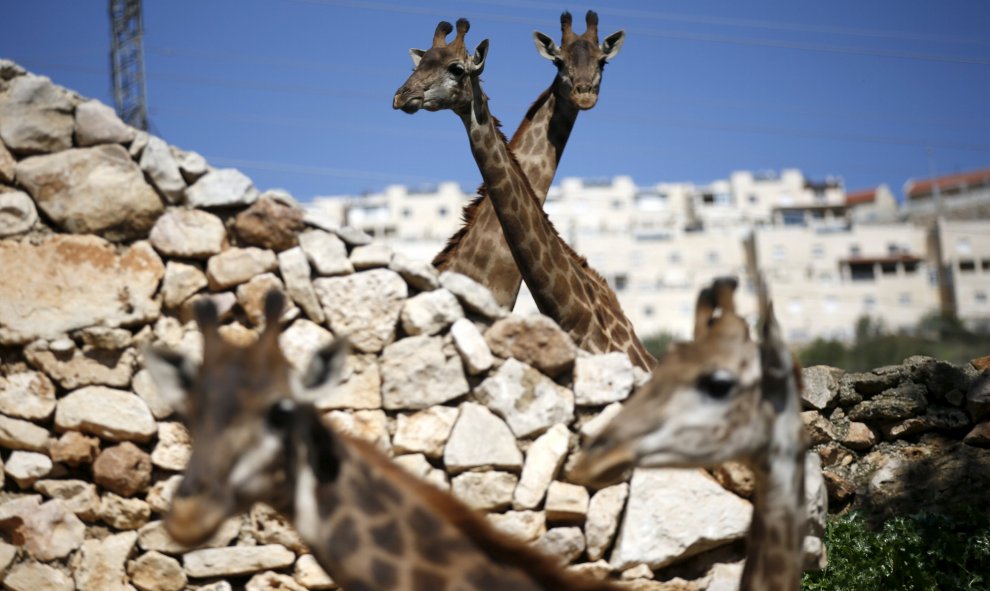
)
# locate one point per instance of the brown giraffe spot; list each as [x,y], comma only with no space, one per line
[384,573]
[621,333]
[426,580]
[345,539]
[359,585]
[388,537]
[424,523]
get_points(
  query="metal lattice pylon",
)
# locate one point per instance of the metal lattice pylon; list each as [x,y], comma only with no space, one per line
[127,62]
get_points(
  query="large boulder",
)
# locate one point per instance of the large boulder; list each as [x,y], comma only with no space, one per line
[35,116]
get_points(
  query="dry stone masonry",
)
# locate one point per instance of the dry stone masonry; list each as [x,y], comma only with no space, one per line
[108,236]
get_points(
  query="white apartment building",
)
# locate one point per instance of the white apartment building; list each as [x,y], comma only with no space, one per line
[828,257]
[965,253]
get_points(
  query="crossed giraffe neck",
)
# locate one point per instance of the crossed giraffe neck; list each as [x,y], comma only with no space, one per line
[720,398]
[479,249]
[564,287]
[370,525]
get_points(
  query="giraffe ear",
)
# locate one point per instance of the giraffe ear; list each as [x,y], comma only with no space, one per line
[416,55]
[173,375]
[612,44]
[324,370]
[478,59]
[546,46]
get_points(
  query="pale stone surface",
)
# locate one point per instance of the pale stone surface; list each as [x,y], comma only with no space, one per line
[602,379]
[49,531]
[100,565]
[35,116]
[363,306]
[124,469]
[420,275]
[180,282]
[673,514]
[419,466]
[424,432]
[25,467]
[160,494]
[18,434]
[637,572]
[535,340]
[601,420]
[188,233]
[17,213]
[815,494]
[7,554]
[237,560]
[604,511]
[147,390]
[173,448]
[325,252]
[371,256]
[736,477]
[92,190]
[7,164]
[308,573]
[471,346]
[71,282]
[472,294]
[294,268]
[74,449]
[725,577]
[818,428]
[74,368]
[360,386]
[111,414]
[598,570]
[237,265]
[124,514]
[370,425]
[479,438]
[859,436]
[484,491]
[97,123]
[192,165]
[34,576]
[223,187]
[821,386]
[106,338]
[77,496]
[522,525]
[138,143]
[529,401]
[269,527]
[301,340]
[272,581]
[160,166]
[251,296]
[153,536]
[566,502]
[317,218]
[543,461]
[273,221]
[563,543]
[417,373]
[430,312]
[155,571]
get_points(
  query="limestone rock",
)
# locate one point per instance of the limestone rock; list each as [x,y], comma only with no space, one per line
[978,396]
[472,294]
[71,282]
[160,494]
[154,537]
[111,414]
[821,386]
[529,401]
[47,531]
[363,306]
[96,190]
[419,275]
[17,213]
[566,502]
[251,296]
[818,428]
[223,187]
[294,268]
[124,469]
[369,425]
[325,252]
[188,233]
[75,449]
[564,544]
[272,581]
[353,236]
[736,477]
[595,425]
[318,218]
[360,386]
[525,526]
[124,514]
[673,514]
[77,496]
[479,438]
[424,432]
[301,340]
[192,165]
[979,436]
[155,571]
[237,265]
[25,467]
[416,373]
[602,379]
[34,576]
[236,560]
[815,495]
[173,448]
[24,435]
[7,164]
[100,565]
[75,368]
[935,417]
[160,166]
[97,123]
[484,491]
[180,282]
[859,436]
[106,338]
[602,522]
[309,574]
[270,527]
[543,461]
[371,256]
[430,312]
[147,390]
[902,402]
[270,223]
[534,340]
[7,554]
[35,116]
[471,346]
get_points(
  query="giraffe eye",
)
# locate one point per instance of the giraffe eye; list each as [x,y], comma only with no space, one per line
[718,384]
[280,415]
[456,69]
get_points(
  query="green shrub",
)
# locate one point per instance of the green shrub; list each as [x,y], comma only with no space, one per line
[922,552]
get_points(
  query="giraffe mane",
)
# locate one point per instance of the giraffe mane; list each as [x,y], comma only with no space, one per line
[502,548]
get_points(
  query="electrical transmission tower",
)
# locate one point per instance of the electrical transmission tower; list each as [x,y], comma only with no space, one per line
[127,62]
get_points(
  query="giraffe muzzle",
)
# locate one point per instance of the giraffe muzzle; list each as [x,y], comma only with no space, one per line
[409,104]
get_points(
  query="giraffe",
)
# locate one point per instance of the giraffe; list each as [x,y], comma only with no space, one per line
[478,249]
[369,524]
[563,285]
[719,398]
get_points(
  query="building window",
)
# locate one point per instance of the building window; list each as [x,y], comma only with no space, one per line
[674,257]
[712,257]
[406,212]
[616,204]
[708,198]
[442,211]
[817,251]
[753,199]
[861,272]
[869,302]
[893,249]
[888,268]
[621,281]
[779,252]
[981,298]
[648,311]
[985,265]
[967,266]
[911,267]
[855,250]
[904,298]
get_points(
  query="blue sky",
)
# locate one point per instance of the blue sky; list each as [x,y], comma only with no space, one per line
[297,93]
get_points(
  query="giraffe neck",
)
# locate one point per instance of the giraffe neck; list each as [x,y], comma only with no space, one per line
[479,249]
[774,545]
[373,527]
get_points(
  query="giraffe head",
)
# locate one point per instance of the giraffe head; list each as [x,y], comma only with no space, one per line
[241,412]
[441,77]
[580,59]
[702,405]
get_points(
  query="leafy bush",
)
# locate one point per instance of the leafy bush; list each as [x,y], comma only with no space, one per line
[921,552]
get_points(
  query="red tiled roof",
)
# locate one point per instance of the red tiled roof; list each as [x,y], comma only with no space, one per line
[861,197]
[923,187]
